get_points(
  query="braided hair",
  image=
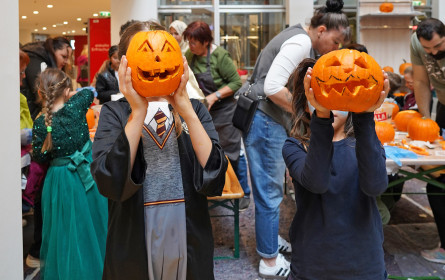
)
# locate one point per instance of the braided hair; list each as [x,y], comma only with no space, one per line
[51,85]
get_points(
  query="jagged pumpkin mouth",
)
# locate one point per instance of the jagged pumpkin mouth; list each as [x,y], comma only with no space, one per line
[158,74]
[350,86]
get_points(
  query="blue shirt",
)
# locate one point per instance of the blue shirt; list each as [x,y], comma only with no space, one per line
[337,230]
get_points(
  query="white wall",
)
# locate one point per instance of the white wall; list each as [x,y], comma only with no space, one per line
[132,9]
[11,248]
[299,12]
[438,9]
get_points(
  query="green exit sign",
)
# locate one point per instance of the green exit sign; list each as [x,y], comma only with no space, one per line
[417,3]
[104,14]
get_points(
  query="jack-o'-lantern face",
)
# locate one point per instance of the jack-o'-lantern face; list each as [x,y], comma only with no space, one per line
[156,63]
[347,80]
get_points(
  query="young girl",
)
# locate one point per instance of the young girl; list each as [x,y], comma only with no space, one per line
[74,213]
[338,168]
[157,180]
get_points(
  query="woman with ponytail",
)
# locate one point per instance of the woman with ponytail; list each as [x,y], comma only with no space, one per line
[74,213]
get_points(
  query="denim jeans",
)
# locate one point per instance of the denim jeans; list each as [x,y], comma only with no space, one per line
[263,149]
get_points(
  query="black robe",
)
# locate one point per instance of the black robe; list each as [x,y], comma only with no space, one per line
[126,255]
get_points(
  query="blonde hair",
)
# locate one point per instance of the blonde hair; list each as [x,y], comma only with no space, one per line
[51,85]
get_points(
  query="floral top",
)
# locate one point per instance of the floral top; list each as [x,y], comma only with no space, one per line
[69,128]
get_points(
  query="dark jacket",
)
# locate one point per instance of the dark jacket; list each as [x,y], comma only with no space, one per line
[106,85]
[126,254]
[38,57]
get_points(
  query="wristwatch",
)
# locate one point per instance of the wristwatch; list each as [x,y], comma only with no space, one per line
[218,95]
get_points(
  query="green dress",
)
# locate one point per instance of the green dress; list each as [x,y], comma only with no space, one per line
[74,212]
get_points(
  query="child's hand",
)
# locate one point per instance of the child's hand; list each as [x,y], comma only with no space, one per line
[180,99]
[322,112]
[383,94]
[137,102]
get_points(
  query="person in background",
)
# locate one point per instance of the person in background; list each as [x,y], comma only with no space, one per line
[329,28]
[338,167]
[74,213]
[428,59]
[409,100]
[52,53]
[157,180]
[218,79]
[82,67]
[107,82]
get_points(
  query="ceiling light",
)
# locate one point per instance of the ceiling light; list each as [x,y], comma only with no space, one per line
[35,12]
[84,29]
[65,22]
[79,19]
[24,17]
[69,32]
[64,33]
[36,30]
[43,28]
[73,31]
[54,25]
[95,15]
[49,6]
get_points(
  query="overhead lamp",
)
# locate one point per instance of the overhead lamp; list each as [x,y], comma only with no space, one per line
[73,31]
[49,6]
[95,15]
[63,32]
[54,25]
[84,29]
[36,30]
[65,22]
[43,28]
[35,12]
[24,17]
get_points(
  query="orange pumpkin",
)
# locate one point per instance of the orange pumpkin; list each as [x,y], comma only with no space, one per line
[156,64]
[423,129]
[388,69]
[395,109]
[385,132]
[386,7]
[402,119]
[347,80]
[403,66]
[91,121]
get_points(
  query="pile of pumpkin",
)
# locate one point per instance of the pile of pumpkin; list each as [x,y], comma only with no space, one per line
[418,128]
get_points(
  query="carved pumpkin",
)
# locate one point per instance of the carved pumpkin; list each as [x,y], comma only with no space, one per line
[395,109]
[385,132]
[156,64]
[388,69]
[423,129]
[402,119]
[347,80]
[403,66]
[386,7]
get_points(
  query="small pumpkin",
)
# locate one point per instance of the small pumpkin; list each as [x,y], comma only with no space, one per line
[91,120]
[347,80]
[403,66]
[404,117]
[385,132]
[423,129]
[395,108]
[156,63]
[388,69]
[386,7]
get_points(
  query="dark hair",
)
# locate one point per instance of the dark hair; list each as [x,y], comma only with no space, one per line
[300,115]
[355,46]
[112,50]
[395,82]
[408,70]
[126,25]
[332,17]
[24,58]
[428,27]
[51,85]
[198,30]
[57,43]
[132,30]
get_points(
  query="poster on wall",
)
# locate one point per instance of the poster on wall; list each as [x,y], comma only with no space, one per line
[99,40]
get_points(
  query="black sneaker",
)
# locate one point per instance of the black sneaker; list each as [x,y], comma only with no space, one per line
[244,203]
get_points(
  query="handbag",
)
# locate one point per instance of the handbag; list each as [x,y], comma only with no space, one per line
[245,110]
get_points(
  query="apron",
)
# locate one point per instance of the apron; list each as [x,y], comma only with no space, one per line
[221,112]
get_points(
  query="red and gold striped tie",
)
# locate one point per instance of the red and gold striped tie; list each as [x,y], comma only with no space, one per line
[160,119]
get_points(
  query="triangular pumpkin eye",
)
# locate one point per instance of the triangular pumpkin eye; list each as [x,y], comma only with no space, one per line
[167,47]
[333,61]
[360,62]
[145,47]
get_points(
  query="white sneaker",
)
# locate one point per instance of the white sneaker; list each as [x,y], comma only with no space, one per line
[284,246]
[280,271]
[32,262]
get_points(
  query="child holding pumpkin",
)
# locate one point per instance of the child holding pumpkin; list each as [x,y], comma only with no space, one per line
[338,168]
[74,213]
[157,178]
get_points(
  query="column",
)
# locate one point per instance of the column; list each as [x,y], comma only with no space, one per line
[11,245]
[122,11]
[438,10]
[299,12]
